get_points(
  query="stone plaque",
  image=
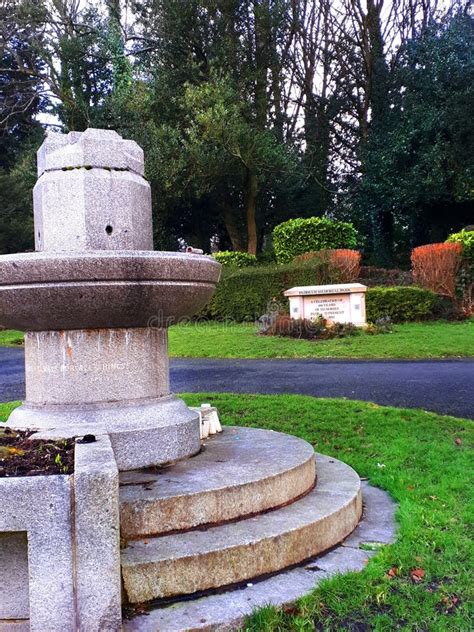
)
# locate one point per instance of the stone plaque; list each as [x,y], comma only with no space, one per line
[341,303]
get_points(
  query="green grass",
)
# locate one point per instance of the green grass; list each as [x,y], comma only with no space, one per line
[10,338]
[425,461]
[437,339]
[425,471]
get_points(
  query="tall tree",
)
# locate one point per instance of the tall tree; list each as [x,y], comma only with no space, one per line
[421,165]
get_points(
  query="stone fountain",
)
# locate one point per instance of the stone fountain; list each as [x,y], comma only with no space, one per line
[96,301]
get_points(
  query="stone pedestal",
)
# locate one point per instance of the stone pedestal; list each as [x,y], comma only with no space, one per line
[339,303]
[94,182]
[96,300]
[107,380]
[96,366]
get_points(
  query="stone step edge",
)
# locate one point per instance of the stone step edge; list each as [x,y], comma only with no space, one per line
[198,561]
[227,609]
[210,506]
[212,525]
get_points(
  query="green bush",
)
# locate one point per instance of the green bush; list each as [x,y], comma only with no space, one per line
[466,238]
[399,303]
[235,258]
[298,236]
[465,276]
[243,295]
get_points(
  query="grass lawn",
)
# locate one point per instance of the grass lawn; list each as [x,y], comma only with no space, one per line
[438,339]
[425,461]
[10,338]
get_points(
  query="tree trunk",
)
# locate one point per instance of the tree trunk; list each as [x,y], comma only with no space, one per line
[231,226]
[383,238]
[251,191]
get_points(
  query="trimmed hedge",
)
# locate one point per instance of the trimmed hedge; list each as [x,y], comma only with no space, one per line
[235,258]
[298,236]
[400,303]
[373,276]
[244,295]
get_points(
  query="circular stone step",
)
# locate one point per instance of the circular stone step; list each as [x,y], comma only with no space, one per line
[227,610]
[239,472]
[194,561]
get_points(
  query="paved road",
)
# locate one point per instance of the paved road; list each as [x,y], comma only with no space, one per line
[442,386]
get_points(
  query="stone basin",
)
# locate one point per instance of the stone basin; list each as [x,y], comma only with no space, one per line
[103,289]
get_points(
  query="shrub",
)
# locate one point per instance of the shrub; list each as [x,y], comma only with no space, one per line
[235,258]
[465,277]
[244,294]
[343,262]
[399,303]
[435,267]
[298,236]
[446,308]
[316,329]
[381,326]
[466,238]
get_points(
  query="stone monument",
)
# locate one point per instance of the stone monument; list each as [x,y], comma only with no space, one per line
[339,303]
[96,301]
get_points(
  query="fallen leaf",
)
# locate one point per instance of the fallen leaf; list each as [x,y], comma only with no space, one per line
[448,604]
[292,610]
[393,572]
[417,575]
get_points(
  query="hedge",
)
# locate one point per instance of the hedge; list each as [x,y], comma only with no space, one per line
[373,276]
[244,295]
[298,236]
[400,303]
[235,258]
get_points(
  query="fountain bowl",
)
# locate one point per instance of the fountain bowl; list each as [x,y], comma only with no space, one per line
[103,289]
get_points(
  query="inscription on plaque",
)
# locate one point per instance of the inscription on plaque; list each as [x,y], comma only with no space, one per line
[342,303]
[332,307]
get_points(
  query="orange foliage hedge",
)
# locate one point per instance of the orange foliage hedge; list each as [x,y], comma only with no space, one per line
[345,261]
[435,267]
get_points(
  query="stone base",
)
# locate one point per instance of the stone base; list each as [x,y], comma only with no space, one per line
[240,472]
[60,547]
[150,433]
